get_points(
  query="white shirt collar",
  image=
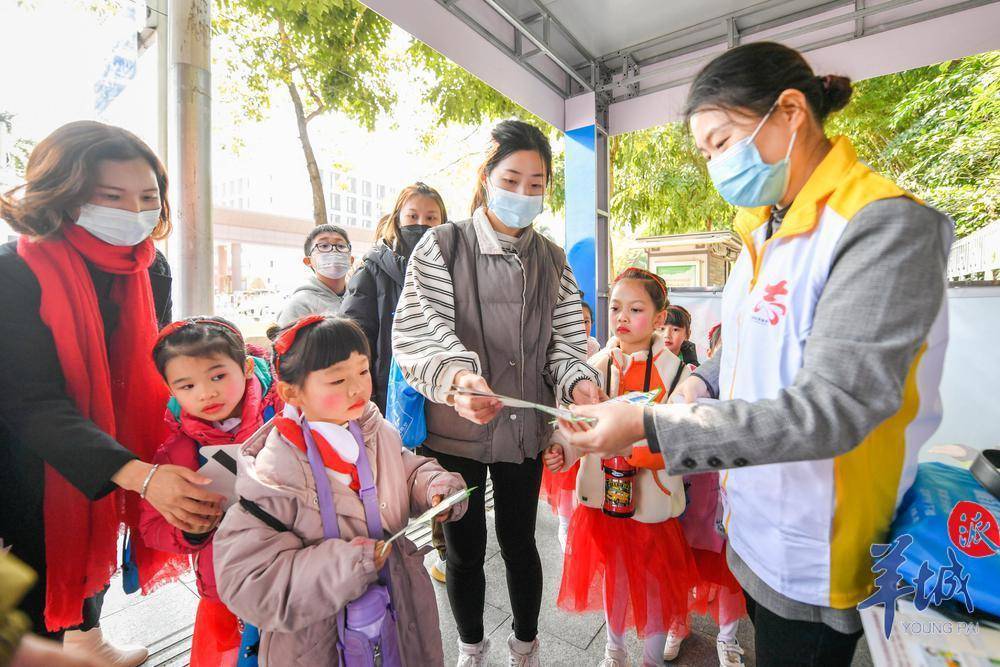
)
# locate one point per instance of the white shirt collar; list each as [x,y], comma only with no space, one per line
[338,437]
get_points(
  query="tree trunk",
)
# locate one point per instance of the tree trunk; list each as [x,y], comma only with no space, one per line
[319,197]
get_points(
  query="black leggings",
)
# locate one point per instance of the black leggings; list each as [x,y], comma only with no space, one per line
[784,642]
[515,491]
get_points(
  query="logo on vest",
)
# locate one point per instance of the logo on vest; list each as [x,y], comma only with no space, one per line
[769,310]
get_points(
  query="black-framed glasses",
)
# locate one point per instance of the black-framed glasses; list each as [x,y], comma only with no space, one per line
[324,247]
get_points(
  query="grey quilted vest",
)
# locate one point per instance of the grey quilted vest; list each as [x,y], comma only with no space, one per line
[503,313]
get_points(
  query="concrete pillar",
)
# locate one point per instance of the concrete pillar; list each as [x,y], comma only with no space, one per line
[587,203]
[236,266]
[190,123]
[221,274]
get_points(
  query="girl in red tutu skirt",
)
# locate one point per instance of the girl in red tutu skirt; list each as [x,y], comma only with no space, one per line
[626,553]
[559,487]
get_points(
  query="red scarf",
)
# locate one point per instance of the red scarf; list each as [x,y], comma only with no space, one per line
[292,432]
[251,418]
[122,394]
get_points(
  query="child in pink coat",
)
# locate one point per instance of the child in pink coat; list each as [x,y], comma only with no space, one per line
[277,564]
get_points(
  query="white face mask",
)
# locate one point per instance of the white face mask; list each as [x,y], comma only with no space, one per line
[513,209]
[332,265]
[118,227]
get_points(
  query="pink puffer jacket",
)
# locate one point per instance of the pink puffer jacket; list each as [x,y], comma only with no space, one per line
[291,584]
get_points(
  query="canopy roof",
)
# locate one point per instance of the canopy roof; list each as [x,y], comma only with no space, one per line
[558,58]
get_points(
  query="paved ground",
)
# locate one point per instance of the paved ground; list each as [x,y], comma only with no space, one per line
[163,620]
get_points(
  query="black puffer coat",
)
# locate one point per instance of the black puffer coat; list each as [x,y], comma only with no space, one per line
[370,301]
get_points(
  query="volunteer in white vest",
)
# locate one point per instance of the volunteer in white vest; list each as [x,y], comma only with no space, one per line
[835,327]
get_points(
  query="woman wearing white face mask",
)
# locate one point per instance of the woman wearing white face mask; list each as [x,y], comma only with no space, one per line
[328,253]
[489,304]
[81,410]
[836,327]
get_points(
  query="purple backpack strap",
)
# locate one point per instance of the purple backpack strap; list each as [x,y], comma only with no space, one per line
[368,492]
[327,512]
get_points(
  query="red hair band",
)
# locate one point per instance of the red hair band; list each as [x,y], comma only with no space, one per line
[174,327]
[656,279]
[283,343]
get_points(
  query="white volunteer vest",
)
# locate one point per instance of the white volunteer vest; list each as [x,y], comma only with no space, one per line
[806,528]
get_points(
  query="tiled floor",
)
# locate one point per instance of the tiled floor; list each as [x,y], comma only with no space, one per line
[163,620]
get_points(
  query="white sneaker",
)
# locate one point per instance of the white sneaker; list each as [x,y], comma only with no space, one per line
[91,644]
[730,654]
[615,658]
[439,572]
[518,657]
[673,646]
[473,655]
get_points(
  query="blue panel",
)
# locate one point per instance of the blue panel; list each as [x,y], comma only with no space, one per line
[581,210]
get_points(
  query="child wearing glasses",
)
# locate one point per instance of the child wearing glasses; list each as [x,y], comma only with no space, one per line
[328,253]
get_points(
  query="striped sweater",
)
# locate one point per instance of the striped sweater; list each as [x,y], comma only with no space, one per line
[424,342]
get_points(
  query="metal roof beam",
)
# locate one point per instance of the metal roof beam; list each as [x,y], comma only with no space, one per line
[812,46]
[542,46]
[492,39]
[854,16]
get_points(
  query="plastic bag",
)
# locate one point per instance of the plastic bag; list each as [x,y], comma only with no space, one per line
[404,408]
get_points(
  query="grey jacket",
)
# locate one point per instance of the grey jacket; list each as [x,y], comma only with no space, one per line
[312,298]
[503,313]
[508,309]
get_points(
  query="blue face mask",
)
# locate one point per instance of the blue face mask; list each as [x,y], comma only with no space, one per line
[513,209]
[743,178]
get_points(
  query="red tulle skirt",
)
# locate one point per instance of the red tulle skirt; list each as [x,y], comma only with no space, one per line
[717,591]
[216,641]
[559,490]
[639,574]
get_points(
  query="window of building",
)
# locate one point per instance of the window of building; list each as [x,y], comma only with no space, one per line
[352,205]
[366,188]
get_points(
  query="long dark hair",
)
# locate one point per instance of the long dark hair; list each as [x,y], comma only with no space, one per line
[752,76]
[509,137]
[62,171]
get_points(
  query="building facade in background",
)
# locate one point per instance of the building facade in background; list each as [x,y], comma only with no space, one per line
[702,259]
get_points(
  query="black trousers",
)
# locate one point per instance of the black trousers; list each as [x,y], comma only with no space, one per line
[515,491]
[23,530]
[786,643]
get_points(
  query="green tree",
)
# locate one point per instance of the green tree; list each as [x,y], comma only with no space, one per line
[461,98]
[18,152]
[661,185]
[328,55]
[935,131]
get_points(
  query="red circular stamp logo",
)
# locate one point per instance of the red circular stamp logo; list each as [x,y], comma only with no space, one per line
[973,529]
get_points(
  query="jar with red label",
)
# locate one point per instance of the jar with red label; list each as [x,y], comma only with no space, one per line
[619,488]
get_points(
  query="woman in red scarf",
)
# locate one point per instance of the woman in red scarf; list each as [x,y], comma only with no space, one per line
[82,295]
